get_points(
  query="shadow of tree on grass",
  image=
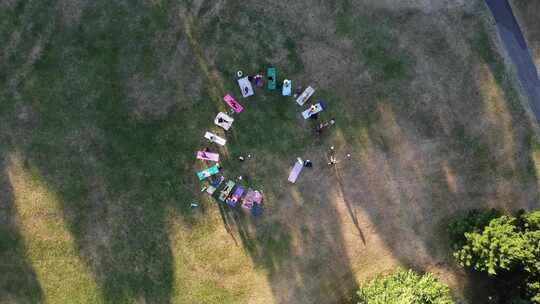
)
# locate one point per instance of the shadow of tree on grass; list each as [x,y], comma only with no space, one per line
[18,280]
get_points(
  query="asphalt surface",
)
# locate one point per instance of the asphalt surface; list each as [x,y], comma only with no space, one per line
[516,46]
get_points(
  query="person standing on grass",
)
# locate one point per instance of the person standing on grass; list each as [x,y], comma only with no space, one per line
[242,178]
[333,160]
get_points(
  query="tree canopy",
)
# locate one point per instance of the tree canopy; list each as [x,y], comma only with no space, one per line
[506,244]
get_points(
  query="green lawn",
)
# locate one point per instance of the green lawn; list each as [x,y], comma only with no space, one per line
[102,107]
[106,165]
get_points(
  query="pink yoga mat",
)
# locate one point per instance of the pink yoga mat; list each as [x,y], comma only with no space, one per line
[208,156]
[233,103]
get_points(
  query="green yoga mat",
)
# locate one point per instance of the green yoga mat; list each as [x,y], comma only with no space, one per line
[204,174]
[271,75]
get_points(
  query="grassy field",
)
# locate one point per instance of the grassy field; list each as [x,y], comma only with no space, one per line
[103,104]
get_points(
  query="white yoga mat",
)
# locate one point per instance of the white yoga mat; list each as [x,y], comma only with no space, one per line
[245,87]
[301,100]
[215,139]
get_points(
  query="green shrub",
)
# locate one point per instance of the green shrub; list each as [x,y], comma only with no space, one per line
[405,287]
[472,221]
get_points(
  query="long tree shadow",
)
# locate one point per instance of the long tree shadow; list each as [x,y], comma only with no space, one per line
[427,154]
[109,152]
[422,159]
[120,158]
[306,258]
[301,249]
[18,282]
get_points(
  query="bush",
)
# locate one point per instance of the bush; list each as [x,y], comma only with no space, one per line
[473,221]
[405,287]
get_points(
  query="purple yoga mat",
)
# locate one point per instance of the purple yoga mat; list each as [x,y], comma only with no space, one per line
[295,172]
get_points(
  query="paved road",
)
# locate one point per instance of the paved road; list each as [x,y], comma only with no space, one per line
[516,47]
